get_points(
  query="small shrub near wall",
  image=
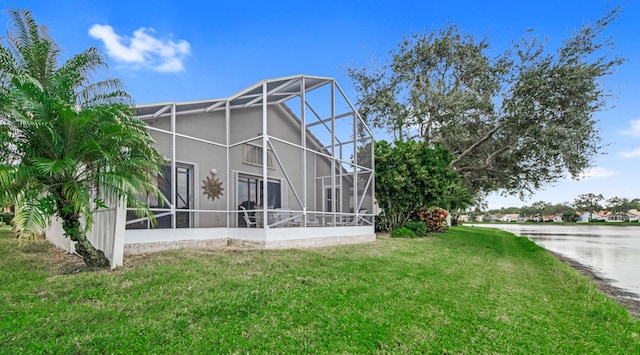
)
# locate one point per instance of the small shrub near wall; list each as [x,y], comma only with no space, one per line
[6,218]
[403,232]
[418,227]
[435,218]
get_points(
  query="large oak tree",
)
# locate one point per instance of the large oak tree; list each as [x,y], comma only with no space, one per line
[515,121]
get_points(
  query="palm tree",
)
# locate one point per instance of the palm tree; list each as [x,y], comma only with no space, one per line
[69,145]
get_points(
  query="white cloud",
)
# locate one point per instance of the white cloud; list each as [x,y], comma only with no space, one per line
[143,50]
[632,154]
[634,128]
[598,172]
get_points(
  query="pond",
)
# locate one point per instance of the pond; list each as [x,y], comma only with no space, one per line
[613,252]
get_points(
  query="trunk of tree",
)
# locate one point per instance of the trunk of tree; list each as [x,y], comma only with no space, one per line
[396,220]
[92,257]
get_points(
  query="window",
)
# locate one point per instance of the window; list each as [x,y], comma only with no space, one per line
[252,155]
[250,192]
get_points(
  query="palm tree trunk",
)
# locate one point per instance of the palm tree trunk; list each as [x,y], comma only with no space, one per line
[92,257]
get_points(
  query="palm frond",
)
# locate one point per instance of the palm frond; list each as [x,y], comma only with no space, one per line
[8,193]
[30,217]
[31,45]
[97,95]
[8,64]
[20,35]
[54,168]
[84,65]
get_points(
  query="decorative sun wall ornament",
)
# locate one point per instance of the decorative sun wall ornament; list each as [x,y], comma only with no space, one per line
[212,186]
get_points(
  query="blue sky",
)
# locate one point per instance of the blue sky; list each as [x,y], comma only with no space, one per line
[192,50]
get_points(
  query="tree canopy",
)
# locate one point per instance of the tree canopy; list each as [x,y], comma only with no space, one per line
[515,121]
[618,204]
[588,202]
[69,144]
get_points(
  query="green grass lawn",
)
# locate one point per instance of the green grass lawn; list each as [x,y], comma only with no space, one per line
[472,290]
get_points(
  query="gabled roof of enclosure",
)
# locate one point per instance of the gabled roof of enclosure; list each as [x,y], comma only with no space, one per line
[279,90]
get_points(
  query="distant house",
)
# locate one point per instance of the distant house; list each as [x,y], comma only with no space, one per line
[558,218]
[493,218]
[592,216]
[583,217]
[510,217]
[629,216]
[618,217]
[634,215]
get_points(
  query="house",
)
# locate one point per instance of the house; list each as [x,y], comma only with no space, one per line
[492,218]
[629,216]
[510,217]
[592,216]
[286,162]
[617,217]
[558,218]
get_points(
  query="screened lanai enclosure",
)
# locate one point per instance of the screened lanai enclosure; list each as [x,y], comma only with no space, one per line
[287,161]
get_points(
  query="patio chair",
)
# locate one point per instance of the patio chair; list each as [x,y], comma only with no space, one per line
[250,221]
[288,218]
[312,221]
[363,220]
[345,221]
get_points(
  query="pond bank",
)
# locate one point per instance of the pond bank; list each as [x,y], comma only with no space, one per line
[625,298]
[608,255]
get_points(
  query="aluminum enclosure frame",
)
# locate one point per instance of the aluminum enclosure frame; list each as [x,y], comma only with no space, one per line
[324,208]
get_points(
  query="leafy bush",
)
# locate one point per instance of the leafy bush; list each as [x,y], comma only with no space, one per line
[418,227]
[435,218]
[6,218]
[403,232]
[570,216]
[410,175]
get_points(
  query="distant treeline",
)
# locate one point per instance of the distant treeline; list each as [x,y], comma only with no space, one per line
[582,203]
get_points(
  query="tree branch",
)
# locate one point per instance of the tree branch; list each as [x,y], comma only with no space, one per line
[487,161]
[475,145]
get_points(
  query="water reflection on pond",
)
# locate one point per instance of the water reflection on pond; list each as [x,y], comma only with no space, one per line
[612,251]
